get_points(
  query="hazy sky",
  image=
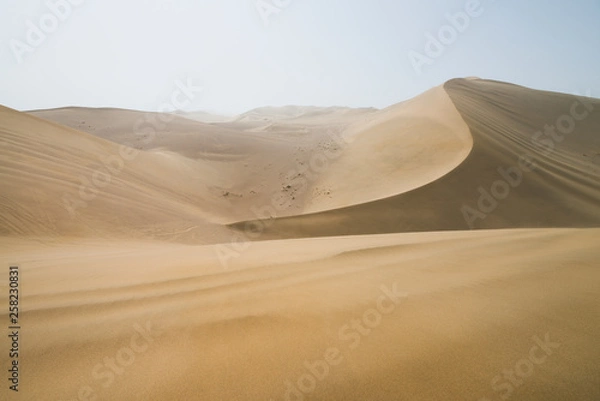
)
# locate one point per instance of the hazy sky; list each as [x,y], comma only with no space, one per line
[132,53]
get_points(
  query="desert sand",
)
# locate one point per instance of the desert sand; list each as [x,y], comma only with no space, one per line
[443,248]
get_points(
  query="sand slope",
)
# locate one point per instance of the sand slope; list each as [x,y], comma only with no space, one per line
[294,160]
[562,190]
[397,149]
[61,182]
[470,306]
[139,177]
[259,163]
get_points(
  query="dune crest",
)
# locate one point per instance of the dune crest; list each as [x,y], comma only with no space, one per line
[398,149]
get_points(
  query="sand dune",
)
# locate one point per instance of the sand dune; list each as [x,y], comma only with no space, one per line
[66,182]
[400,148]
[516,176]
[61,182]
[303,253]
[404,146]
[258,164]
[205,117]
[471,306]
[151,131]
[305,115]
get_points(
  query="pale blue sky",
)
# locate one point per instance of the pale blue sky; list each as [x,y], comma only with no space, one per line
[129,53]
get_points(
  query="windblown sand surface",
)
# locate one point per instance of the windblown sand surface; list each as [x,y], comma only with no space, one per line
[307,253]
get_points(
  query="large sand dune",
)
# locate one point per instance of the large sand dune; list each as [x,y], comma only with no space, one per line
[362,280]
[61,182]
[514,177]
